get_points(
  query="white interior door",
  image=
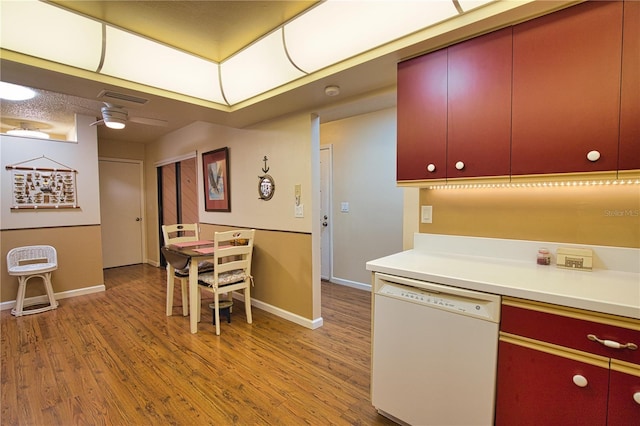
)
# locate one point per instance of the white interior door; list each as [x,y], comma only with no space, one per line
[326,237]
[121,212]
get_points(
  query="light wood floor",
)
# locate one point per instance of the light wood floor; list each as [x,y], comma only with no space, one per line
[114,358]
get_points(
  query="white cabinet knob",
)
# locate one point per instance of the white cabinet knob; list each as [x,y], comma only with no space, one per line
[636,397]
[431,167]
[593,156]
[580,380]
[459,165]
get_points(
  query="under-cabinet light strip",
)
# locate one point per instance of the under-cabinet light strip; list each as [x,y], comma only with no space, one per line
[538,184]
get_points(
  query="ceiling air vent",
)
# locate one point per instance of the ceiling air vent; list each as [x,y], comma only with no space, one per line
[121,99]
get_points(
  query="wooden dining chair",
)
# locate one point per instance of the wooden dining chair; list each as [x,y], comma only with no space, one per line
[172,234]
[233,251]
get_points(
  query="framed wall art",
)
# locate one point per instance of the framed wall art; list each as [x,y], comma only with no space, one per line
[41,187]
[215,176]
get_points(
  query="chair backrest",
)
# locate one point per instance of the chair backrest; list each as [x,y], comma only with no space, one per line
[180,233]
[31,255]
[233,251]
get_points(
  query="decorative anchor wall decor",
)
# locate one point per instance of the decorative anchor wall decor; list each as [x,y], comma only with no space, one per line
[266,185]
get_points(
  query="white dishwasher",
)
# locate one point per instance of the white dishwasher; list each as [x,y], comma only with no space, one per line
[434,352]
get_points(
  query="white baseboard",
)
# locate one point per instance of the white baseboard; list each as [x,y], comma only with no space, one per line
[63,295]
[289,316]
[354,284]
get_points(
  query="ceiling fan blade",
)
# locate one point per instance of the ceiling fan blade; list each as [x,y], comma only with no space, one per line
[149,121]
[97,123]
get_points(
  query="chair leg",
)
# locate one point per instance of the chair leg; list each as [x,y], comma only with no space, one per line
[17,310]
[185,297]
[49,289]
[22,285]
[170,280]
[216,311]
[247,304]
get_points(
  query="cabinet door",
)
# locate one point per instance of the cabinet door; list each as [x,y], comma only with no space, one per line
[422,117]
[479,108]
[624,397]
[537,388]
[566,90]
[630,96]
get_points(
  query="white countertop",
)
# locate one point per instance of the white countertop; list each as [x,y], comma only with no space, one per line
[439,259]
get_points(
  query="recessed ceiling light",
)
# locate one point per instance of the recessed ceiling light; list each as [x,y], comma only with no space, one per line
[13,92]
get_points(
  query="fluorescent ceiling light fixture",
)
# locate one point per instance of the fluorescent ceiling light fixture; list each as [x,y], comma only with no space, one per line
[48,32]
[467,5]
[14,92]
[141,60]
[36,134]
[337,30]
[260,67]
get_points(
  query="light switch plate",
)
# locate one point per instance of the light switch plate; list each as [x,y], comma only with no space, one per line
[427,214]
[299,211]
[344,207]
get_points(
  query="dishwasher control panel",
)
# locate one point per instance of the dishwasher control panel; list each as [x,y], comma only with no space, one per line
[466,302]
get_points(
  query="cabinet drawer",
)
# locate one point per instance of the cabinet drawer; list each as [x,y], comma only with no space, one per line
[570,327]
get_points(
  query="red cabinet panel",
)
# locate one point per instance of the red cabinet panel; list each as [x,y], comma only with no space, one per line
[566,90]
[623,409]
[536,388]
[479,106]
[570,332]
[422,116]
[630,102]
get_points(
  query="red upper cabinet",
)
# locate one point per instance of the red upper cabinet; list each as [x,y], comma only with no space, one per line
[479,106]
[422,117]
[630,102]
[566,90]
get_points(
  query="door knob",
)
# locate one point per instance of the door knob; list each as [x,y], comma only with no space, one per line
[325,223]
[138,219]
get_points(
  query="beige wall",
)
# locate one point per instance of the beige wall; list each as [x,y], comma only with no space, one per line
[283,262]
[79,260]
[280,265]
[75,233]
[119,149]
[590,215]
[364,175]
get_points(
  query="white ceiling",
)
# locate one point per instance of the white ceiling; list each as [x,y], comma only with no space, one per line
[215,30]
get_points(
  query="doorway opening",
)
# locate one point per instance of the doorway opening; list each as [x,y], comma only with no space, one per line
[177,195]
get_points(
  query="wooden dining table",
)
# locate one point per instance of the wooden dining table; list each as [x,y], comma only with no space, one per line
[181,255]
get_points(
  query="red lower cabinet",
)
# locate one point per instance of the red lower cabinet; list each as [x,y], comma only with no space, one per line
[565,366]
[624,395]
[539,388]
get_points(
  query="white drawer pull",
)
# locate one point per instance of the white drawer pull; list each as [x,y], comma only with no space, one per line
[612,343]
[459,165]
[580,380]
[431,167]
[636,397]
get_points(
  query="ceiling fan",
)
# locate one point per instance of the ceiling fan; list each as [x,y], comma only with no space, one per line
[116,117]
